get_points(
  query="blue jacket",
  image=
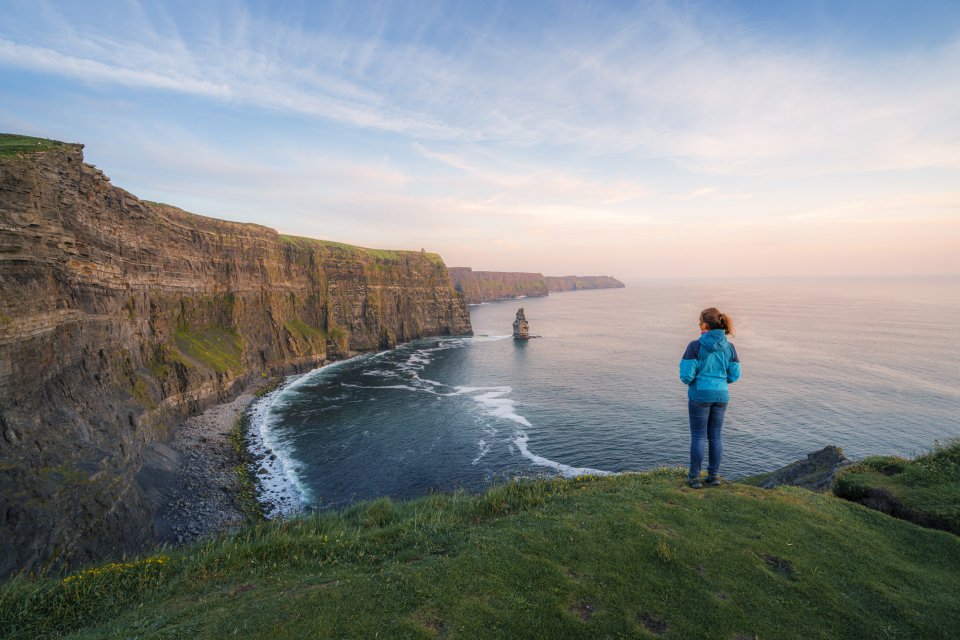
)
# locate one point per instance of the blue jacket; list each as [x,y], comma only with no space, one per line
[708,365]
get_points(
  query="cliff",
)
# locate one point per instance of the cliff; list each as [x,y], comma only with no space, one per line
[480,286]
[574,283]
[118,317]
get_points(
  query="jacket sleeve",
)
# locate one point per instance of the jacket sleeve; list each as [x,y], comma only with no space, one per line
[733,369]
[690,362]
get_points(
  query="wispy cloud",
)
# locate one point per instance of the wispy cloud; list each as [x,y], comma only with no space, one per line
[663,85]
[595,127]
[50,61]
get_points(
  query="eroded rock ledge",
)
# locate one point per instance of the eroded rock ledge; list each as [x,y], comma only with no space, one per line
[118,317]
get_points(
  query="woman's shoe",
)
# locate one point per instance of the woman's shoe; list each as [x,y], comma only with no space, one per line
[713,482]
[695,484]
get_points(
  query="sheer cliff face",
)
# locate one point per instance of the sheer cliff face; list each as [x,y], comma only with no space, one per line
[118,317]
[480,286]
[578,283]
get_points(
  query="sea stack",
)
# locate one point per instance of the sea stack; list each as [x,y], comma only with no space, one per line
[521,328]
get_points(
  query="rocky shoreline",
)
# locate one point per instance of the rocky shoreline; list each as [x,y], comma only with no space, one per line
[191,479]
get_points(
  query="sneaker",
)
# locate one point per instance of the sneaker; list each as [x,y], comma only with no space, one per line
[695,484]
[713,482]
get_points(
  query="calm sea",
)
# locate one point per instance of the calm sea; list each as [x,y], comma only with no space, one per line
[871,365]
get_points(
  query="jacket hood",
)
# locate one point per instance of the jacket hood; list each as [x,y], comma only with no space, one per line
[714,340]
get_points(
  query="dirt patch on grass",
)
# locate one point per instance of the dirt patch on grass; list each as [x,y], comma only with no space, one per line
[656,626]
[429,620]
[583,610]
[243,588]
[779,566]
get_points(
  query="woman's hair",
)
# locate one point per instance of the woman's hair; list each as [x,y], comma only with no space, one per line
[716,320]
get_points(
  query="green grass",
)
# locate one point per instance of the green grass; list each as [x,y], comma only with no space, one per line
[634,556]
[12,144]
[215,348]
[925,490]
[388,255]
[305,332]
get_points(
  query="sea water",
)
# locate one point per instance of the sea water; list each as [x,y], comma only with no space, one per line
[871,365]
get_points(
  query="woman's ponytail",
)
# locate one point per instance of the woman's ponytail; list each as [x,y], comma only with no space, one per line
[716,320]
[726,323]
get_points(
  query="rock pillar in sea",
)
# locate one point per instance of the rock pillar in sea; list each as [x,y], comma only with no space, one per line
[521,328]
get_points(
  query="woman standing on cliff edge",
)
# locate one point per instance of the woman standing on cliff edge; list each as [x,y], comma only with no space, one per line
[708,365]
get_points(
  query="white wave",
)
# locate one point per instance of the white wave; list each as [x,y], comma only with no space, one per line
[565,470]
[380,373]
[495,404]
[402,386]
[281,490]
[489,337]
[484,450]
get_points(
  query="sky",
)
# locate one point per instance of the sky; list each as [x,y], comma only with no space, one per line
[634,139]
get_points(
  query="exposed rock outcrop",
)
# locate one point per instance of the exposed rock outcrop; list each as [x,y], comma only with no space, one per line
[816,472]
[118,317]
[521,328]
[576,283]
[482,286]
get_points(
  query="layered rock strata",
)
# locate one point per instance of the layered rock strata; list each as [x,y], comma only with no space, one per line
[481,286]
[119,317]
[576,283]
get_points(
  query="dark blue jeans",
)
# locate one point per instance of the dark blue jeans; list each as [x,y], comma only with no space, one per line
[706,423]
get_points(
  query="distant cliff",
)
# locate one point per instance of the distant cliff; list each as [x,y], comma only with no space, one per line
[575,283]
[118,317]
[480,286]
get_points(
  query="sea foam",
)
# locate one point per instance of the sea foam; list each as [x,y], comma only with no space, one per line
[279,473]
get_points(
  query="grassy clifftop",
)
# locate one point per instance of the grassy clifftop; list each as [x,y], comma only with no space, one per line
[630,556]
[12,144]
[379,254]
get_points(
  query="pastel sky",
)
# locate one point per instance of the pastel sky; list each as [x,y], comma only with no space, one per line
[626,138]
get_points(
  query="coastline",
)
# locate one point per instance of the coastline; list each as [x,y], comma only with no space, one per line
[191,478]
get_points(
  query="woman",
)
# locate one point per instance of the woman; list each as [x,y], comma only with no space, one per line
[708,365]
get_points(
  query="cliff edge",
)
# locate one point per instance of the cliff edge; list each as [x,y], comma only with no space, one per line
[119,317]
[481,286]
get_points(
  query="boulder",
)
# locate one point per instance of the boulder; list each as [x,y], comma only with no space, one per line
[815,472]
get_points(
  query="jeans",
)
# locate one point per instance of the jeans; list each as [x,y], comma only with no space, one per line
[706,423]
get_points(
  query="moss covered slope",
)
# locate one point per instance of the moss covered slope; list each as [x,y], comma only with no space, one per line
[629,556]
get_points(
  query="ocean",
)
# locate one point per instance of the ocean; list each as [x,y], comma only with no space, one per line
[871,365]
